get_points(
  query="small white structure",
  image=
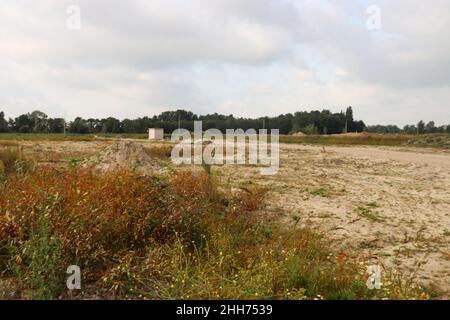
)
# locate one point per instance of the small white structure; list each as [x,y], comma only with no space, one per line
[155,134]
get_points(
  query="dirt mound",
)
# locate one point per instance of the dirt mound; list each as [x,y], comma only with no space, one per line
[125,154]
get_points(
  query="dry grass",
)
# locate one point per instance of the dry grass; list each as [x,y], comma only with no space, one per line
[45,137]
[12,160]
[67,137]
[8,143]
[370,139]
[160,151]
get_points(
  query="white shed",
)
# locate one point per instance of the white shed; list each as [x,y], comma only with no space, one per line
[155,134]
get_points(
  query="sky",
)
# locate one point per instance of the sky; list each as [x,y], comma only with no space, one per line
[389,60]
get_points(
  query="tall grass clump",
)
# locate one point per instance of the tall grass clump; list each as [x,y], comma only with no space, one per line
[160,151]
[174,237]
[40,262]
[12,160]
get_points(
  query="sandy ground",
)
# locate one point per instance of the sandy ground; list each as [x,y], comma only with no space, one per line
[391,205]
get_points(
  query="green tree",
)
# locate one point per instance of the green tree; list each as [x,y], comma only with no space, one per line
[111,125]
[3,123]
[56,125]
[295,127]
[310,129]
[78,125]
[430,127]
[360,126]
[410,129]
[129,126]
[94,125]
[40,121]
[23,123]
[349,121]
[421,127]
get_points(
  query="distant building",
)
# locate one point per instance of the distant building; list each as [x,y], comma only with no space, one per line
[155,134]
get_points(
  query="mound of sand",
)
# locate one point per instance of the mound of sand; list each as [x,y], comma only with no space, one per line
[299,134]
[125,154]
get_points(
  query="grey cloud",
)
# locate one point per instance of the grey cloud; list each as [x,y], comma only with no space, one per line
[251,58]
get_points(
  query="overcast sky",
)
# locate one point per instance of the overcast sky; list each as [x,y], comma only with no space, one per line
[242,57]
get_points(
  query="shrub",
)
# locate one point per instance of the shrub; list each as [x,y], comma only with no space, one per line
[40,263]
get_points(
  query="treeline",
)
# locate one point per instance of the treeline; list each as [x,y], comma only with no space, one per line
[420,128]
[313,122]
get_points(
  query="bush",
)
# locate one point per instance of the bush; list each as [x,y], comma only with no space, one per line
[40,263]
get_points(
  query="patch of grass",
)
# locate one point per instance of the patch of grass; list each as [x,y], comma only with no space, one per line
[373,204]
[366,212]
[437,140]
[359,139]
[446,233]
[319,191]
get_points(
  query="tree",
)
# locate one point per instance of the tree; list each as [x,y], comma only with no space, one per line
[310,129]
[3,123]
[128,126]
[40,121]
[359,126]
[94,125]
[430,127]
[384,129]
[295,127]
[421,127]
[56,125]
[349,122]
[111,125]
[23,123]
[78,126]
[317,122]
[410,129]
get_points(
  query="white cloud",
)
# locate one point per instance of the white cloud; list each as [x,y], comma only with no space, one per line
[249,58]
